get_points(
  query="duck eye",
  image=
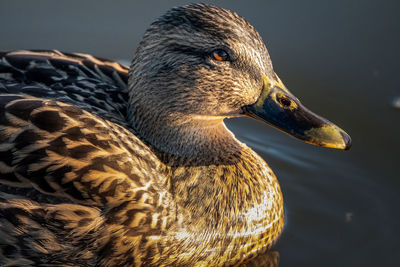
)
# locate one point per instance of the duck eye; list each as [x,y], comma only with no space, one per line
[220,55]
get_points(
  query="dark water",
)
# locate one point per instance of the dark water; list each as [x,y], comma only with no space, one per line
[341,58]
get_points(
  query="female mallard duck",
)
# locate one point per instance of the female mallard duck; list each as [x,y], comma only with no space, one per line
[99,167]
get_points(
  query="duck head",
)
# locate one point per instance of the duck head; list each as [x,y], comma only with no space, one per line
[199,64]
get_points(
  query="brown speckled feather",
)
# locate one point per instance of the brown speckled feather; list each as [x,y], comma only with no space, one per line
[111,189]
[96,85]
[53,149]
[99,171]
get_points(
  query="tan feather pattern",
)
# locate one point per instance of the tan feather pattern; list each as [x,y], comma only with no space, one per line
[80,187]
[89,161]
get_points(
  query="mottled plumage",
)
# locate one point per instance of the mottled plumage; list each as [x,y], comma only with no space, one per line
[98,169]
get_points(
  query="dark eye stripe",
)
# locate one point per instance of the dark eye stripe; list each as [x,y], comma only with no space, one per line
[220,55]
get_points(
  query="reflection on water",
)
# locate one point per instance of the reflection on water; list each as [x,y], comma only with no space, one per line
[396,102]
[269,259]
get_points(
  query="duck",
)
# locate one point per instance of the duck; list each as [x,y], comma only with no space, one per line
[102,164]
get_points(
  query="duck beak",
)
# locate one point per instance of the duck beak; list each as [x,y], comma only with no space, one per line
[279,108]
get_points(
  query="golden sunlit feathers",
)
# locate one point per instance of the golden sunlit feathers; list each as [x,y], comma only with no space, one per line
[80,186]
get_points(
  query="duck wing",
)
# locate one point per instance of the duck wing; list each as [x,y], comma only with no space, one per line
[94,84]
[63,151]
[87,83]
[72,184]
[75,181]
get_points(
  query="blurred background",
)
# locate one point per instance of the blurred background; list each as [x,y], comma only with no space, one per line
[341,58]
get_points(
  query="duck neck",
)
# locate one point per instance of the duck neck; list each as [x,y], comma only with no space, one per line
[201,137]
[221,188]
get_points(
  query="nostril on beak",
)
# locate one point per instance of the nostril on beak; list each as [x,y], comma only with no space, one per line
[284,101]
